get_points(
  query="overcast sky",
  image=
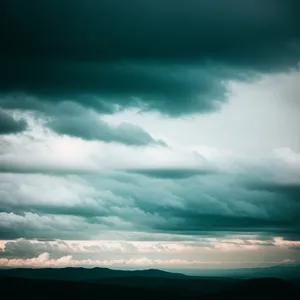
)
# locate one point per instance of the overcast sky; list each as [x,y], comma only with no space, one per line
[150,133]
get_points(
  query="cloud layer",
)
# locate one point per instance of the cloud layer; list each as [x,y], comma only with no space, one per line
[83,206]
[59,253]
[149,132]
[88,125]
[9,124]
[171,57]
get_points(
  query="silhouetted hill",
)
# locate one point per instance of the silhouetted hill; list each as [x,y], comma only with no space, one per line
[151,279]
[266,288]
[261,288]
[85,274]
[114,284]
[93,274]
[204,285]
[17,288]
[283,272]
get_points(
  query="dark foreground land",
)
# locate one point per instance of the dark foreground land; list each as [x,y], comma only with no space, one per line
[98,283]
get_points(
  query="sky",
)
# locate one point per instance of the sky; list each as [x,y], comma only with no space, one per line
[149,134]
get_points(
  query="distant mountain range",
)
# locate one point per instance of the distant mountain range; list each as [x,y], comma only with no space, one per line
[88,274]
[283,272]
[113,284]
[85,274]
[91,274]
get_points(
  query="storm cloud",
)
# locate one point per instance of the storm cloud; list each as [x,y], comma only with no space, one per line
[171,56]
[149,132]
[88,125]
[83,207]
[171,173]
[9,124]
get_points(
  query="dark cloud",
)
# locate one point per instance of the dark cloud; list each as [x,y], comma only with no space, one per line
[171,56]
[9,125]
[170,89]
[15,167]
[150,30]
[287,191]
[88,125]
[201,205]
[190,222]
[172,173]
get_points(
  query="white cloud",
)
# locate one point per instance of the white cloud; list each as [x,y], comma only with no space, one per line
[227,251]
[44,260]
[259,116]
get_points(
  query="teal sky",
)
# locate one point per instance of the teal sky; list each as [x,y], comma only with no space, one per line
[150,133]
